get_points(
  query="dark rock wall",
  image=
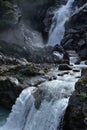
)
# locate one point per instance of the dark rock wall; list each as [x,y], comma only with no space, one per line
[35,11]
[76,32]
[76,112]
[79,3]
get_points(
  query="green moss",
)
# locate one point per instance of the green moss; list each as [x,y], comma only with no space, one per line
[82,80]
[31,71]
[29,65]
[83,96]
[85,115]
[6,13]
[7,5]
[17,68]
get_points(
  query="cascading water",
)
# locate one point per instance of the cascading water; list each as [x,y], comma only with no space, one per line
[48,116]
[57,29]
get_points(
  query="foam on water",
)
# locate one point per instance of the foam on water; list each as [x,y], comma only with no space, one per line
[25,116]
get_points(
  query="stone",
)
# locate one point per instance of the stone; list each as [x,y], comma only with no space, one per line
[65,67]
[75,117]
[68,44]
[41,72]
[39,96]
[76,70]
[9,91]
[81,43]
[63,73]
[83,53]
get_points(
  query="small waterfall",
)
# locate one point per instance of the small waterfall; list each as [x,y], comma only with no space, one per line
[73,57]
[25,116]
[17,118]
[61,15]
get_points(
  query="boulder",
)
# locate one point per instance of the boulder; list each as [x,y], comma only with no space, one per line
[65,67]
[39,96]
[9,91]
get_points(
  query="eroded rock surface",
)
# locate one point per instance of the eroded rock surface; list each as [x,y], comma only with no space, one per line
[76,112]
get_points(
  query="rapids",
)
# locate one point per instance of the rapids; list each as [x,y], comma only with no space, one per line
[25,116]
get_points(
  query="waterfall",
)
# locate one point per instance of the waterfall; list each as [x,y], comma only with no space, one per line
[25,116]
[61,15]
[18,116]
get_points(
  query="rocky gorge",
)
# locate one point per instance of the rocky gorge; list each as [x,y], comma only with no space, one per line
[37,77]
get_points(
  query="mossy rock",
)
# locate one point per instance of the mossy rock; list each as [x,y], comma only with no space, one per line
[82,80]
[6,13]
[83,97]
[17,68]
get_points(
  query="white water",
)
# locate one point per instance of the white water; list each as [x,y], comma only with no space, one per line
[19,112]
[73,57]
[57,29]
[25,116]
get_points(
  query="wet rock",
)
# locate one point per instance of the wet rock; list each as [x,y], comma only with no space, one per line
[86,62]
[83,53]
[14,53]
[85,121]
[83,71]
[63,73]
[68,44]
[39,96]
[76,113]
[52,78]
[77,62]
[35,11]
[75,37]
[76,70]
[41,72]
[79,3]
[81,43]
[74,20]
[9,91]
[65,67]
[58,48]
[36,80]
[30,71]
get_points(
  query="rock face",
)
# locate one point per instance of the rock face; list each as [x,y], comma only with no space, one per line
[36,54]
[9,91]
[76,113]
[76,32]
[35,11]
[79,3]
[29,13]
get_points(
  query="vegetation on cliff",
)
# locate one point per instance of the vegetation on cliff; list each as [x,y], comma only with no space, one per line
[6,12]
